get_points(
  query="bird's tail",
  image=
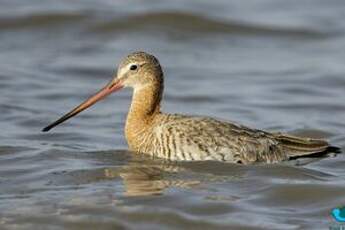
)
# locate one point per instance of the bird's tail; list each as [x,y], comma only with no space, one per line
[300,146]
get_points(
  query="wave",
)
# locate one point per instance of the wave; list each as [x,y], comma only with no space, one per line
[39,20]
[188,22]
[166,21]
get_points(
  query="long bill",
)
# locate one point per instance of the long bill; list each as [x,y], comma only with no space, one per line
[111,87]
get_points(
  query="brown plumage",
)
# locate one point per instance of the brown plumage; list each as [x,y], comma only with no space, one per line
[180,137]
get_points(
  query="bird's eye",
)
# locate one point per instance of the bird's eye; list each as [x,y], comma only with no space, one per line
[133,67]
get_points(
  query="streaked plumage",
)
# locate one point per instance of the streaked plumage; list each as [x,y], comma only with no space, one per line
[180,137]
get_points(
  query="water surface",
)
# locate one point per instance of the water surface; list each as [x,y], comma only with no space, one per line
[269,64]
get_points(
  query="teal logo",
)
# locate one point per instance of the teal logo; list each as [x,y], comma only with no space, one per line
[339,214]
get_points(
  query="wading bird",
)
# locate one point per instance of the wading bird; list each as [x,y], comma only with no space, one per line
[189,138]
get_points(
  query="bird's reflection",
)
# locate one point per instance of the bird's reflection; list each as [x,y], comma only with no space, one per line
[143,178]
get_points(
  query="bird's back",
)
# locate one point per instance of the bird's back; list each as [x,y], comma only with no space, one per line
[188,138]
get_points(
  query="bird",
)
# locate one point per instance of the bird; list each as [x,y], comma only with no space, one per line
[177,137]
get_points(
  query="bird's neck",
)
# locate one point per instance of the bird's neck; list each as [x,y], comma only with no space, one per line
[144,108]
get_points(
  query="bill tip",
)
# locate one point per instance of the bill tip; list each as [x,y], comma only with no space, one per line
[46,129]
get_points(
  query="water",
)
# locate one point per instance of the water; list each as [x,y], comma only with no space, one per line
[270,64]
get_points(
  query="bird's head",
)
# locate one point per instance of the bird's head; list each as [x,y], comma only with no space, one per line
[137,70]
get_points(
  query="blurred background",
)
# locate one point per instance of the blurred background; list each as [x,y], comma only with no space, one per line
[269,64]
